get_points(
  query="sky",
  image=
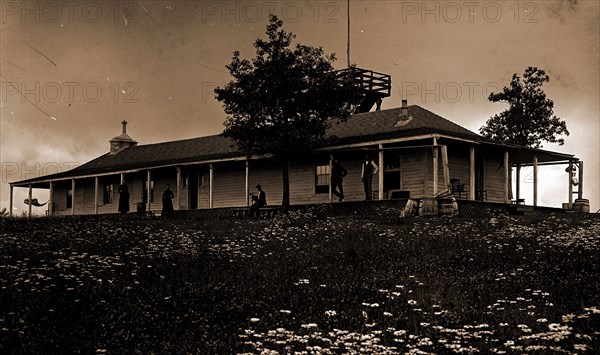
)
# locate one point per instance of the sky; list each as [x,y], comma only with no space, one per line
[71,71]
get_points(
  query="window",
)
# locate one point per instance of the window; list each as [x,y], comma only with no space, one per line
[69,198]
[108,192]
[185,179]
[145,192]
[322,173]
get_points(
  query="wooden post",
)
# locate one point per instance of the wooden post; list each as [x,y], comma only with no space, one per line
[51,199]
[518,178]
[148,191]
[178,188]
[211,174]
[435,167]
[506,177]
[122,178]
[330,171]
[472,173]
[10,203]
[580,187]
[535,179]
[247,182]
[380,172]
[72,197]
[95,195]
[570,172]
[30,197]
[445,168]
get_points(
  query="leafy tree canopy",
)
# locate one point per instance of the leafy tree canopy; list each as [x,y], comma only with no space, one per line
[280,102]
[530,118]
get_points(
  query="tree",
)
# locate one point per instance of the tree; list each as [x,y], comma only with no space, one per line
[530,118]
[280,102]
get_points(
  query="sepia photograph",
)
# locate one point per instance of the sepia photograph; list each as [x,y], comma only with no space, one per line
[300,176]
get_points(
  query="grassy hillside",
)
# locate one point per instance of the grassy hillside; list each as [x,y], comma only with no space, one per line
[302,282]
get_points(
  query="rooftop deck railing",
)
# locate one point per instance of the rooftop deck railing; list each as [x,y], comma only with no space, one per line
[369,80]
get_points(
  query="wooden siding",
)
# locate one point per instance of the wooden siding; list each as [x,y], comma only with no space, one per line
[494,176]
[229,184]
[459,164]
[416,165]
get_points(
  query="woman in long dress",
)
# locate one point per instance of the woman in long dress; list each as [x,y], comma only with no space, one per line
[167,210]
[123,198]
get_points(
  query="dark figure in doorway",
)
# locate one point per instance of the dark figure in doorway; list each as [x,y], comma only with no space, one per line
[123,198]
[167,209]
[369,168]
[338,173]
[257,201]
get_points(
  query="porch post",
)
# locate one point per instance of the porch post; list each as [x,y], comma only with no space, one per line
[435,167]
[506,177]
[178,187]
[330,171]
[445,168]
[72,197]
[381,169]
[29,194]
[210,185]
[571,162]
[148,191]
[51,199]
[95,195]
[122,178]
[580,187]
[10,203]
[518,178]
[535,179]
[247,186]
[472,173]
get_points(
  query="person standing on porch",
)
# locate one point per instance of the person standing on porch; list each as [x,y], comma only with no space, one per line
[167,209]
[338,173]
[123,198]
[369,168]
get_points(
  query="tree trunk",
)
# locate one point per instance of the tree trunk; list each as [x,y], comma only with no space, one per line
[285,202]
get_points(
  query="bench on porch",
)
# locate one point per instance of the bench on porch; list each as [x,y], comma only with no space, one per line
[263,212]
[519,201]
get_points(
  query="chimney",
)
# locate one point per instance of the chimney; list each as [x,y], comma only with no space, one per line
[122,141]
[403,118]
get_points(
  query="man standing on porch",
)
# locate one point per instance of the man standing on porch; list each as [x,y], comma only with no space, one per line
[369,168]
[338,173]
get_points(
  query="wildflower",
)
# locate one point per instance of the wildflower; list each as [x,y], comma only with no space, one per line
[412,302]
[285,311]
[388,314]
[542,320]
[330,313]
[309,325]
[254,320]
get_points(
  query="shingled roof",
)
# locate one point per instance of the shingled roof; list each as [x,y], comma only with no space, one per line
[392,123]
[362,127]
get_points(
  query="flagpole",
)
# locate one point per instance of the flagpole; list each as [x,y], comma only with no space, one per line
[348,47]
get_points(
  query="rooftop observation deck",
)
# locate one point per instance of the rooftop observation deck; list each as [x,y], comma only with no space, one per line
[372,86]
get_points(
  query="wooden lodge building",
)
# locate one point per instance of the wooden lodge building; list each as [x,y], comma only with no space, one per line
[419,153]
